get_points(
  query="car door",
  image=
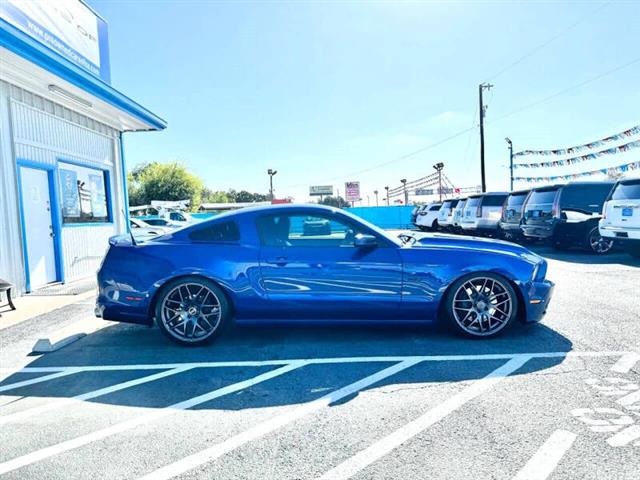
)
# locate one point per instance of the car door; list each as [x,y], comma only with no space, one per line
[311,268]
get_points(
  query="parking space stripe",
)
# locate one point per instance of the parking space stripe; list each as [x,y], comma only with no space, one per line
[44,378]
[56,449]
[626,363]
[89,395]
[260,363]
[262,429]
[546,459]
[624,437]
[382,447]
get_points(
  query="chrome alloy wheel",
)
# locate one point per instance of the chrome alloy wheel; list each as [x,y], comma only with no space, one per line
[191,312]
[482,306]
[598,243]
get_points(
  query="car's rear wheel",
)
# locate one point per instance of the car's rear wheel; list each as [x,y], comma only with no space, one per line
[481,305]
[597,243]
[192,311]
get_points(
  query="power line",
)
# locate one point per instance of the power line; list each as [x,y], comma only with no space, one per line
[547,42]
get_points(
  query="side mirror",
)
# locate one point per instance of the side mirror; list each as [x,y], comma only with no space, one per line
[363,240]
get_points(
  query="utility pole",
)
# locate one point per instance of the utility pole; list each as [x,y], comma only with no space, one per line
[387,189]
[481,88]
[406,194]
[271,173]
[439,166]
[375,192]
[510,143]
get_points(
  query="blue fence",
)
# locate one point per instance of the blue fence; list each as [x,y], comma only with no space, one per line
[385,217]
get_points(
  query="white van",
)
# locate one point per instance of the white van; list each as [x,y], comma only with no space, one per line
[482,212]
[621,215]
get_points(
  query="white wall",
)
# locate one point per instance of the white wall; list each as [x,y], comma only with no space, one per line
[39,130]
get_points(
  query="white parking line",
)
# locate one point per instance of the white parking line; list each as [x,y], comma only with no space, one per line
[89,395]
[262,429]
[382,447]
[546,459]
[626,363]
[624,437]
[259,363]
[52,450]
[44,378]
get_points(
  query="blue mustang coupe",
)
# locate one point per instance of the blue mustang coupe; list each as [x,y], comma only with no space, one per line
[266,264]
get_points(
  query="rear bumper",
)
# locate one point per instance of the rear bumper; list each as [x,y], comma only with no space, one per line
[631,235]
[537,298]
[537,231]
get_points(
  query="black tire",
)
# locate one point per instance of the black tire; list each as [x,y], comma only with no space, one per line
[462,322]
[597,244]
[193,300]
[435,226]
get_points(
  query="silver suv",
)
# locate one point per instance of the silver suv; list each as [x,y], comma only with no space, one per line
[482,212]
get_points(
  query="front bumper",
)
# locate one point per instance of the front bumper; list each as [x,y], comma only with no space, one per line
[537,299]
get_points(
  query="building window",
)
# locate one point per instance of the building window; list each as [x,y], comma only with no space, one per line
[83,194]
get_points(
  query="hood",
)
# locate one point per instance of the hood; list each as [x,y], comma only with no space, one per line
[441,240]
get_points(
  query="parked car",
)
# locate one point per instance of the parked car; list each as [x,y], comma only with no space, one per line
[621,215]
[511,216]
[481,214]
[457,216]
[445,214]
[568,215]
[428,216]
[252,265]
[163,222]
[316,226]
[141,230]
[414,214]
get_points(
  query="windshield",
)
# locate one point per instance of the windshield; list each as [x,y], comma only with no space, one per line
[628,190]
[473,202]
[392,238]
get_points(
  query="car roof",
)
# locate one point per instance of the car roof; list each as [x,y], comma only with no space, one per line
[520,192]
[486,194]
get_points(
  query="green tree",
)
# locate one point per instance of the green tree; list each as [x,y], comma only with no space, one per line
[210,196]
[163,181]
[334,202]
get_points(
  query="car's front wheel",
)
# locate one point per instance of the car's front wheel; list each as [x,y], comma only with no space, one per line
[597,243]
[192,311]
[481,305]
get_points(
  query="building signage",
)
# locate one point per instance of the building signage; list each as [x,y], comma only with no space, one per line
[424,191]
[70,196]
[67,27]
[320,190]
[352,191]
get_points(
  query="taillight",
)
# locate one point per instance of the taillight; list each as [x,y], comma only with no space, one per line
[604,211]
[555,208]
[479,210]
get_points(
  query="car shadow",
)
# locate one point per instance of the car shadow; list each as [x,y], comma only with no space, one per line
[138,346]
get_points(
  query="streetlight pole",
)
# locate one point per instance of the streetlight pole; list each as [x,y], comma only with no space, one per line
[271,173]
[439,166]
[375,192]
[387,189]
[510,143]
[481,88]
[406,194]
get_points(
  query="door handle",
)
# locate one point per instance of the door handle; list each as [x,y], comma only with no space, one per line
[279,261]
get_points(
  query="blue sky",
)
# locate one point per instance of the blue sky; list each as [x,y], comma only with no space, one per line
[322,91]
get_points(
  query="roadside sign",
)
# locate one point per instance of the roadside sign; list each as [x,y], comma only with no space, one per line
[320,190]
[424,191]
[352,191]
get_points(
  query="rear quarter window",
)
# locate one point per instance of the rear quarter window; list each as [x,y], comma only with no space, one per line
[472,202]
[540,197]
[589,198]
[516,200]
[493,200]
[216,233]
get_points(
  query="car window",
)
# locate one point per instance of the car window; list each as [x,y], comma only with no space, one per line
[589,198]
[493,200]
[628,190]
[287,230]
[176,216]
[516,200]
[134,225]
[454,203]
[461,204]
[435,208]
[473,202]
[539,197]
[447,204]
[217,232]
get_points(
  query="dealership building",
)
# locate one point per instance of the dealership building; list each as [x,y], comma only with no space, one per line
[62,170]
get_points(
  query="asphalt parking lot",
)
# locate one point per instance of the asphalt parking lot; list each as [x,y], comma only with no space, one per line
[556,400]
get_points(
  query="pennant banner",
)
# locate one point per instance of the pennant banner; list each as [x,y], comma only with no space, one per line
[589,146]
[620,168]
[581,158]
